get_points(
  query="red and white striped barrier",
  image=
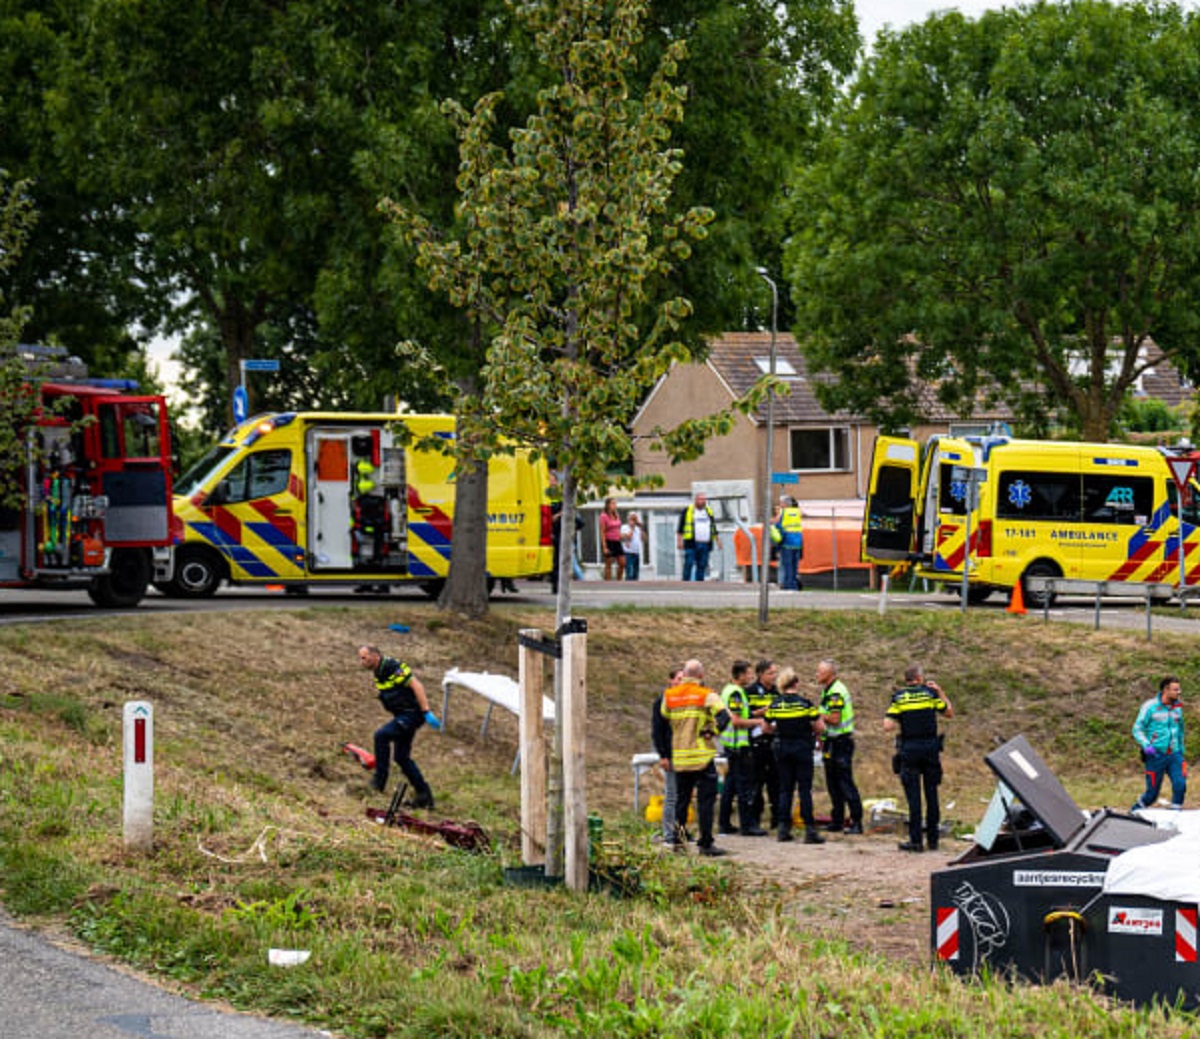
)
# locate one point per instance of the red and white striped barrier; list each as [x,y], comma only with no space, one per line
[1185,935]
[947,933]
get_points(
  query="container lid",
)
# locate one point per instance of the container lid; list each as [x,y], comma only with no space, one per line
[1020,768]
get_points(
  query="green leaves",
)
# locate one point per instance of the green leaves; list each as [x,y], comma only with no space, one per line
[567,238]
[1007,201]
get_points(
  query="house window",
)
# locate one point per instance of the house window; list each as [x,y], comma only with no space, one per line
[820,448]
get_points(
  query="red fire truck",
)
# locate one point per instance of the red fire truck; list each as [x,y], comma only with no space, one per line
[95,482]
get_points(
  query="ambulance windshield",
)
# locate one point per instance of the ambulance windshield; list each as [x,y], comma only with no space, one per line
[197,474]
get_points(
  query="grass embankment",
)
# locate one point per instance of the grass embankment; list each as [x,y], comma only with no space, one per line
[260,838]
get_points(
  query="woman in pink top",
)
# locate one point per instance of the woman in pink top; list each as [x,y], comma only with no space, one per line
[610,534]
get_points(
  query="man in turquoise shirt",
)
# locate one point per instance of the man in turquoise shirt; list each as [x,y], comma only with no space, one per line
[1158,730]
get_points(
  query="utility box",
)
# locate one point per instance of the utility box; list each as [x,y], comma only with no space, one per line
[1029,897]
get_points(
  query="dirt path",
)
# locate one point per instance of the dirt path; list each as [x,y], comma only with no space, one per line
[862,889]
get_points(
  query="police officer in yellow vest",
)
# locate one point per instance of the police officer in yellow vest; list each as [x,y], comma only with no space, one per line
[837,750]
[735,745]
[789,521]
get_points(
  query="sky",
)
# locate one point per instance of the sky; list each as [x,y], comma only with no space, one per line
[873,15]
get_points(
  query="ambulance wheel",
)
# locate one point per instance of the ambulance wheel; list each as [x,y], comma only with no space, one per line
[1038,600]
[432,588]
[976,594]
[126,582]
[198,573]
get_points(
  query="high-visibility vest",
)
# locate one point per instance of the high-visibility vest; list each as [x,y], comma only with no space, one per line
[791,520]
[836,697]
[690,708]
[689,522]
[733,696]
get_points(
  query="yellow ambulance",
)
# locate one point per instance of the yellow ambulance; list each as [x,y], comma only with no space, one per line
[306,499]
[1102,512]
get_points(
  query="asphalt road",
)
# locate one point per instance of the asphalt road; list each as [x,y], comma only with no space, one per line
[24,607]
[47,992]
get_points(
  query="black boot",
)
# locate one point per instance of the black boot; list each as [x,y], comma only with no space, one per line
[785,834]
[812,837]
[424,799]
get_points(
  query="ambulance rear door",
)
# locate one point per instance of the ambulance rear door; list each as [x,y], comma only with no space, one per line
[890,518]
[329,453]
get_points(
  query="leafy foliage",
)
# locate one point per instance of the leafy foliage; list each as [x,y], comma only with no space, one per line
[1007,207]
[17,405]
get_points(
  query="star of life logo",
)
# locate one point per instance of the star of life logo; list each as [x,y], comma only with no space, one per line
[1020,494]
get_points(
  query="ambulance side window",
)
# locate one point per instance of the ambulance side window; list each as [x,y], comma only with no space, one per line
[1114,498]
[259,476]
[1026,495]
[952,494]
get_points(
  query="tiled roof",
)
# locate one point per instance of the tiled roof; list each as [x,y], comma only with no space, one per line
[735,356]
[1163,381]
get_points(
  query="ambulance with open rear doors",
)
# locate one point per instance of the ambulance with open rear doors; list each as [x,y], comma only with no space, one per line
[1096,512]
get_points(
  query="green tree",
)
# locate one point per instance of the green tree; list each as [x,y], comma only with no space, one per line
[566,239]
[1011,206]
[76,273]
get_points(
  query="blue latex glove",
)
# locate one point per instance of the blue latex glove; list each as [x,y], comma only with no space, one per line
[431,720]
[1151,751]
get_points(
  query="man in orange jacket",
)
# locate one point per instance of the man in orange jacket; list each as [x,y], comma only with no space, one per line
[696,714]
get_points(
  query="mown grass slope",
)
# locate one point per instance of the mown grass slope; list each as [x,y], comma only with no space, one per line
[260,837]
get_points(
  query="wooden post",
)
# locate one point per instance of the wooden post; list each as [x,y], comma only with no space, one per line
[573,725]
[533,752]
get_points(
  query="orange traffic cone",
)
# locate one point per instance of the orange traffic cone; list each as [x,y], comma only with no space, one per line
[364,757]
[1016,604]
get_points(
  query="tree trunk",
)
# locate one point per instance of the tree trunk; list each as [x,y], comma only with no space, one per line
[466,590]
[555,793]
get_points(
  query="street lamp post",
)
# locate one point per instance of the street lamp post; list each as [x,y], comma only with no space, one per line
[764,555]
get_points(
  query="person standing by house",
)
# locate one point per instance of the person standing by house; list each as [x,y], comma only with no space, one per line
[790,521]
[696,715]
[403,695]
[1158,730]
[660,737]
[739,760]
[837,750]
[696,537]
[797,724]
[610,535]
[631,542]
[913,714]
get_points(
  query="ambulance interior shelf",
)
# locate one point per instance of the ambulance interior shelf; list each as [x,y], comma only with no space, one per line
[378,507]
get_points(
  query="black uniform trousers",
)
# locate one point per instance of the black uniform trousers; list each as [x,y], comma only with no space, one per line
[704,782]
[839,780]
[921,771]
[766,773]
[795,760]
[739,783]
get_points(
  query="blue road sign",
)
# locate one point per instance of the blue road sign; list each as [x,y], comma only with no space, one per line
[260,366]
[785,477]
[241,404]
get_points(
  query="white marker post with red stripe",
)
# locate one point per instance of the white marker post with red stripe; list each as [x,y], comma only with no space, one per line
[947,934]
[139,775]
